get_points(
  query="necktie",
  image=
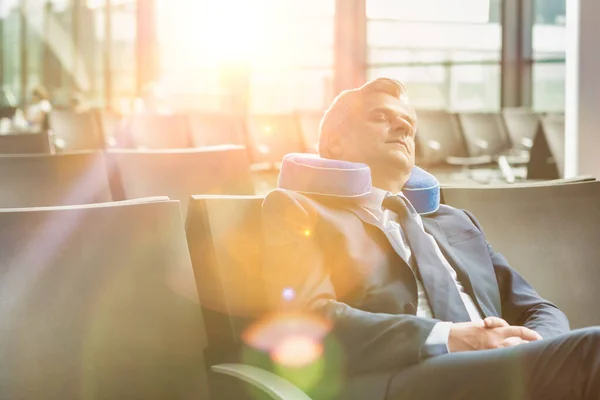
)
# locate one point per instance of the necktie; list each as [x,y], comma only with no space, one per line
[441,290]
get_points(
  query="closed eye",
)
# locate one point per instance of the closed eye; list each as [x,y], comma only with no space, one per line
[379,116]
[406,130]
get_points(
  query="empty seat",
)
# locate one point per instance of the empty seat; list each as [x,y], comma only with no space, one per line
[99,302]
[484,133]
[53,180]
[554,130]
[225,240]
[25,143]
[110,124]
[155,131]
[548,234]
[7,111]
[216,129]
[521,126]
[74,131]
[441,148]
[181,173]
[270,137]
[439,137]
[224,237]
[309,125]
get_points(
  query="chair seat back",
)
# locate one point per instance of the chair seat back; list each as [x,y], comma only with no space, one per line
[484,133]
[53,180]
[216,129]
[25,143]
[548,234]
[98,302]
[156,131]
[76,131]
[182,173]
[438,137]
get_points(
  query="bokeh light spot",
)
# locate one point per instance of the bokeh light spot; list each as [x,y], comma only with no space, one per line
[267,334]
[288,294]
[264,149]
[297,351]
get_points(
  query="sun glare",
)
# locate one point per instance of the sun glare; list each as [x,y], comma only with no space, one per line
[224,30]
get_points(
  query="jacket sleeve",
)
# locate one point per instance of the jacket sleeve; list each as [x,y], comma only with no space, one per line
[521,304]
[297,278]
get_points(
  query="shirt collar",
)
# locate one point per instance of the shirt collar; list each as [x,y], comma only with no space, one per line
[375,199]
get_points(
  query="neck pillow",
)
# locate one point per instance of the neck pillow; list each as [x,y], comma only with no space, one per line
[313,175]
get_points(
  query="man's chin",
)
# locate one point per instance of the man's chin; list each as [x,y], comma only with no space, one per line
[399,161]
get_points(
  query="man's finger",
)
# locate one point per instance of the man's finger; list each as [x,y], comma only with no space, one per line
[512,342]
[495,322]
[520,331]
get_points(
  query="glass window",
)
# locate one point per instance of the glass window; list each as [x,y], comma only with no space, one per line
[447,52]
[123,54]
[34,43]
[277,54]
[61,45]
[549,47]
[89,63]
[10,14]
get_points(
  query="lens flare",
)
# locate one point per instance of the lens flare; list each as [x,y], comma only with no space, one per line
[297,351]
[291,339]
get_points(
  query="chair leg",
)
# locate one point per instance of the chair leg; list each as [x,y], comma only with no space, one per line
[505,168]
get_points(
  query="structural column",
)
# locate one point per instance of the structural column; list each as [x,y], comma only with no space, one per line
[107,49]
[517,27]
[147,43]
[23,24]
[350,45]
[582,140]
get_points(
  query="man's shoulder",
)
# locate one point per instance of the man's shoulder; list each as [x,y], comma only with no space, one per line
[288,198]
[447,211]
[285,197]
[283,201]
[451,218]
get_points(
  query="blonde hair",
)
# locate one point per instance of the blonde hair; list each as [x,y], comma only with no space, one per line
[347,104]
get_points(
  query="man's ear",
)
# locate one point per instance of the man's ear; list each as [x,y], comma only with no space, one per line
[336,145]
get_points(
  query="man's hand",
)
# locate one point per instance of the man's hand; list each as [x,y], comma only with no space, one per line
[491,333]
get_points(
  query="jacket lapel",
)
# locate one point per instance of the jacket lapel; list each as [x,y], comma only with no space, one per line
[487,303]
[367,217]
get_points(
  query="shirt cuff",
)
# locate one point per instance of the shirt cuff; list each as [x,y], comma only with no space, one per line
[437,341]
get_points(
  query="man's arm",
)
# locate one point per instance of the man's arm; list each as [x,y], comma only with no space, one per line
[297,278]
[521,305]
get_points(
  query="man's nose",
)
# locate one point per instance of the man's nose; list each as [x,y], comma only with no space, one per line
[400,127]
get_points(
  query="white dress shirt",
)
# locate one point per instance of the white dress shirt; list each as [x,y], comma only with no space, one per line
[437,342]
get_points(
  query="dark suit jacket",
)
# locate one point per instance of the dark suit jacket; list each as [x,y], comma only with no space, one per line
[339,264]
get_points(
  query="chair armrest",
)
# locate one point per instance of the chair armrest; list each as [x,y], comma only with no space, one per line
[434,145]
[59,143]
[514,158]
[469,161]
[482,144]
[273,385]
[527,143]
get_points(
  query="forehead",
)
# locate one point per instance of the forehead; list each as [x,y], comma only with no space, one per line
[388,103]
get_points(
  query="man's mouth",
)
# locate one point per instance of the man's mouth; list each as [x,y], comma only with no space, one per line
[397,142]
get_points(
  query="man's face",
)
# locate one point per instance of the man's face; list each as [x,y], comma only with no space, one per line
[381,134]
